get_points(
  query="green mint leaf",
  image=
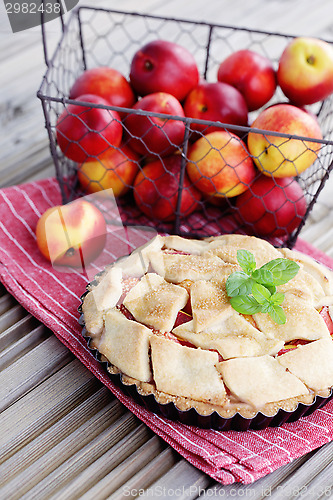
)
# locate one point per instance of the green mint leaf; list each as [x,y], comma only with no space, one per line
[246,260]
[266,308]
[238,283]
[271,288]
[254,290]
[283,270]
[277,298]
[261,294]
[245,304]
[277,314]
[263,276]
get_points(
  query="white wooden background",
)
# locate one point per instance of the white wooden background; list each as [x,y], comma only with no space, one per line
[63,435]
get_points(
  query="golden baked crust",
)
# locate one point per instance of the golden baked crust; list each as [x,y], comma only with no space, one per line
[131,352]
[155,302]
[300,362]
[93,318]
[226,248]
[173,333]
[176,268]
[209,303]
[303,321]
[220,337]
[260,380]
[109,289]
[183,371]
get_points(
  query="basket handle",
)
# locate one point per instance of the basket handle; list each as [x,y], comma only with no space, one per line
[42,19]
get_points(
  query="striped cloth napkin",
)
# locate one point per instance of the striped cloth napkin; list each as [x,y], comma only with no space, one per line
[53,297]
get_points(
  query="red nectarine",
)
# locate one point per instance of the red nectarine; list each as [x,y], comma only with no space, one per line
[163,66]
[252,74]
[83,131]
[305,72]
[215,102]
[107,83]
[155,135]
[271,206]
[156,190]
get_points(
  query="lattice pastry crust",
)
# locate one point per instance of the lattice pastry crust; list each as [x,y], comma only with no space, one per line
[162,318]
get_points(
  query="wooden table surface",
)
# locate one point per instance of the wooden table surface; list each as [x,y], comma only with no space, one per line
[63,434]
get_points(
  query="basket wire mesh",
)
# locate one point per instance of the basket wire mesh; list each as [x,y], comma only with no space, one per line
[95,37]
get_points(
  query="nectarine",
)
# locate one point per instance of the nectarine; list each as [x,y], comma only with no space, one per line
[219,164]
[71,235]
[115,170]
[107,83]
[284,156]
[215,102]
[156,190]
[305,72]
[271,207]
[83,131]
[153,134]
[163,66]
[252,74]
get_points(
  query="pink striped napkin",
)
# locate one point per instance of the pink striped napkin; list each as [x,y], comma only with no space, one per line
[53,297]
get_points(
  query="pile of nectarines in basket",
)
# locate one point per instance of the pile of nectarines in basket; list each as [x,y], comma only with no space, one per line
[157,138]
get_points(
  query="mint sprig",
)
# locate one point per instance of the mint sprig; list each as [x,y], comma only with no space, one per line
[254,290]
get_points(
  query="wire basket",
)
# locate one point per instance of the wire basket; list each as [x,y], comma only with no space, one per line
[95,37]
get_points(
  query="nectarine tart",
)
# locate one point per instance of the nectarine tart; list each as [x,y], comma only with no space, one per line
[223,328]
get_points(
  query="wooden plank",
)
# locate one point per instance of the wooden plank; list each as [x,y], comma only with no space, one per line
[6,302]
[24,130]
[36,165]
[19,167]
[11,45]
[16,116]
[301,17]
[102,441]
[109,461]
[321,486]
[125,471]
[142,479]
[41,173]
[30,370]
[16,330]
[147,476]
[182,481]
[87,442]
[30,338]
[10,317]
[35,412]
[51,437]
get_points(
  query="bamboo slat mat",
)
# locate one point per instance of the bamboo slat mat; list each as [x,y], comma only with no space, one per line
[63,434]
